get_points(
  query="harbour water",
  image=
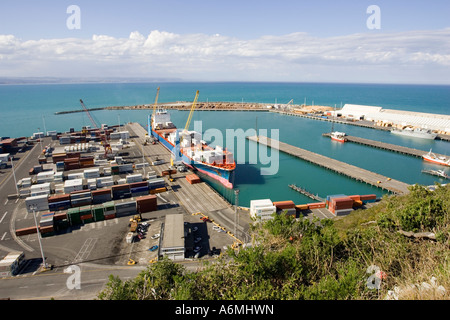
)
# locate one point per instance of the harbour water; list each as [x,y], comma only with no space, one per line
[25,108]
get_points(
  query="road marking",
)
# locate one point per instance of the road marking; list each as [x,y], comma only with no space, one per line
[6,202]
[17,200]
[3,217]
[3,237]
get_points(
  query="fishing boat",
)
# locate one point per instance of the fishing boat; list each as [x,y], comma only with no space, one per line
[439,173]
[415,133]
[338,136]
[187,146]
[431,157]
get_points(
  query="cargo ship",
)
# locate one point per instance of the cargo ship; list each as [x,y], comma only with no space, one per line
[431,157]
[416,133]
[187,146]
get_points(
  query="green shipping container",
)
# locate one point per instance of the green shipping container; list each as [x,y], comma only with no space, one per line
[85,210]
[73,215]
[98,213]
[109,206]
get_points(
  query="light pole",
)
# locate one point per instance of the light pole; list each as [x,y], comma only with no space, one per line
[236,202]
[44,263]
[14,174]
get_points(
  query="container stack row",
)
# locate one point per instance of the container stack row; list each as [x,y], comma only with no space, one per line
[51,222]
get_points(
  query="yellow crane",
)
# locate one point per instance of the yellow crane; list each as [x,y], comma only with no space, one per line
[192,111]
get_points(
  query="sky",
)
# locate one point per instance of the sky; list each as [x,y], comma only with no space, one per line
[211,40]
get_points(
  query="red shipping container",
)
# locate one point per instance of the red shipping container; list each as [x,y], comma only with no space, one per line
[60,216]
[284,204]
[26,231]
[58,198]
[317,205]
[368,197]
[100,192]
[355,197]
[110,216]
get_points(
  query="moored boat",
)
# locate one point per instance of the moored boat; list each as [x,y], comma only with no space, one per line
[431,157]
[338,136]
[415,133]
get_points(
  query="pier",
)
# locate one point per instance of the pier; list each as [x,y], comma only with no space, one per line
[359,174]
[386,146]
[306,193]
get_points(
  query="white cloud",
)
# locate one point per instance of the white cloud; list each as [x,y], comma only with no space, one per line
[291,57]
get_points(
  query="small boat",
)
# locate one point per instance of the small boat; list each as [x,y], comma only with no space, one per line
[431,157]
[338,136]
[415,133]
[439,173]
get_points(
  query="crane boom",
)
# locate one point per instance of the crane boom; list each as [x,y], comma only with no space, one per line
[89,115]
[192,111]
[156,102]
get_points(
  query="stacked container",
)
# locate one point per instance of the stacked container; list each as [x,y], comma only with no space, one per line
[262,209]
[91,173]
[156,183]
[40,189]
[146,203]
[340,206]
[73,215]
[46,176]
[109,210]
[39,203]
[73,185]
[98,213]
[125,207]
[105,182]
[86,214]
[132,178]
[61,221]
[72,163]
[101,196]
[59,202]
[285,206]
[86,162]
[139,189]
[368,198]
[121,191]
[46,227]
[80,198]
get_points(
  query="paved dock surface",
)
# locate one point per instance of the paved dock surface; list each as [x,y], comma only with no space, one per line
[386,146]
[346,169]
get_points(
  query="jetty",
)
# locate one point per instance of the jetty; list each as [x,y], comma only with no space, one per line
[386,146]
[306,193]
[351,171]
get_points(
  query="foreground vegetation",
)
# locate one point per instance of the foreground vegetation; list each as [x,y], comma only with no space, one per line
[362,256]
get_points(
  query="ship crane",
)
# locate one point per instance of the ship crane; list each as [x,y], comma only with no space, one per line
[104,137]
[156,102]
[188,123]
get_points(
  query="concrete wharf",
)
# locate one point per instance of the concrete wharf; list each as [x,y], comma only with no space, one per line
[359,174]
[386,146]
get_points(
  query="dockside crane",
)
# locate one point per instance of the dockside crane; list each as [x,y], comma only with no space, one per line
[156,102]
[103,135]
[188,123]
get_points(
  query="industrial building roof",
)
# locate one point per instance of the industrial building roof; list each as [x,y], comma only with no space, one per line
[173,231]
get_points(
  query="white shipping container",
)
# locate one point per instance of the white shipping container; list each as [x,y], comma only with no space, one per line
[75,176]
[39,203]
[134,178]
[4,157]
[92,173]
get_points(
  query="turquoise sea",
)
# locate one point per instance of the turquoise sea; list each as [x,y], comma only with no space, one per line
[25,108]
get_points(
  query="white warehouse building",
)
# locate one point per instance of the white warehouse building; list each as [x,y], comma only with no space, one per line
[398,118]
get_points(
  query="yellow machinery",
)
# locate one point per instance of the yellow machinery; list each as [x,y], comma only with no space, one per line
[186,128]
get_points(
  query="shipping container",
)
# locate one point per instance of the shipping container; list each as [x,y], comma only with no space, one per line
[317,205]
[284,204]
